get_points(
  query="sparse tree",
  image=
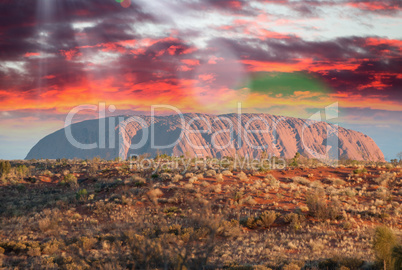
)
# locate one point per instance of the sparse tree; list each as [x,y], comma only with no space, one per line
[5,167]
[397,256]
[384,242]
[295,160]
[399,155]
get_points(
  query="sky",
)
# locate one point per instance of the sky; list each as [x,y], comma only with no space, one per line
[283,57]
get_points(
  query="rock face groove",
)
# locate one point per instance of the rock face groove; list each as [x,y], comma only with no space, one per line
[206,135]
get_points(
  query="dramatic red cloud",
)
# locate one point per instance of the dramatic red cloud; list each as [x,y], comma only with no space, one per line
[295,65]
[375,5]
[69,54]
[191,62]
[253,28]
[29,54]
[383,41]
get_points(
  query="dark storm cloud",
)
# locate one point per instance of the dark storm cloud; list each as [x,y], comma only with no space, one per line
[159,62]
[286,49]
[388,65]
[22,22]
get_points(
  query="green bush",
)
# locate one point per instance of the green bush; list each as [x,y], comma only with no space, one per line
[81,194]
[22,171]
[384,242]
[295,160]
[70,180]
[5,167]
[359,171]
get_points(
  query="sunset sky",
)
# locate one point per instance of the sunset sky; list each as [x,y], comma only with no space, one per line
[284,57]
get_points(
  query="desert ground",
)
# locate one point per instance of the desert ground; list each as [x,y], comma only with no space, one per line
[97,214]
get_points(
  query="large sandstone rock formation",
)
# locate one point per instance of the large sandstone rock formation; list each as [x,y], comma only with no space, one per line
[218,136]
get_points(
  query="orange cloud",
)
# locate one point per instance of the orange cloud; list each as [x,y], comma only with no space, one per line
[29,54]
[253,28]
[375,5]
[70,54]
[301,64]
[258,66]
[191,62]
[384,41]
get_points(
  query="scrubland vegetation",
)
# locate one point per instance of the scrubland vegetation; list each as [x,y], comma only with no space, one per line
[95,214]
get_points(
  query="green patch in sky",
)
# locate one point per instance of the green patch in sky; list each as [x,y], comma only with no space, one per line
[285,83]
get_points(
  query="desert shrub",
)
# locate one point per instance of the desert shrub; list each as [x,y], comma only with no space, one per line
[193,179]
[338,182]
[269,177]
[359,171]
[81,195]
[237,195]
[301,180]
[242,176]
[316,184]
[295,160]
[350,192]
[258,184]
[87,243]
[340,262]
[383,244]
[48,173]
[153,195]
[210,173]
[266,219]
[102,209]
[165,176]
[216,188]
[291,266]
[320,209]
[383,179]
[382,193]
[21,171]
[172,209]
[5,167]
[177,178]
[138,181]
[397,257]
[46,224]
[229,228]
[249,200]
[295,220]
[227,172]
[249,222]
[347,225]
[271,180]
[53,246]
[70,180]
